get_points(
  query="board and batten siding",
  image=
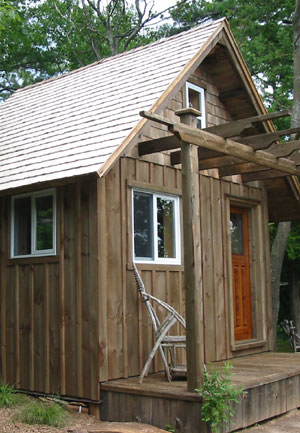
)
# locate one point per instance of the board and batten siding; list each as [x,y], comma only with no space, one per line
[71,321]
[128,330]
[49,305]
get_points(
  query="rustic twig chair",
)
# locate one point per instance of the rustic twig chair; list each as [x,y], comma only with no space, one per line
[290,329]
[164,343]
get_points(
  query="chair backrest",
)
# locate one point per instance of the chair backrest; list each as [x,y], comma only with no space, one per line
[149,299]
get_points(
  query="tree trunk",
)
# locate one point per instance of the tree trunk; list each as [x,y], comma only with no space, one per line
[295,293]
[277,255]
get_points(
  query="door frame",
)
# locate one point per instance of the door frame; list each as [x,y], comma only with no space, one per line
[258,272]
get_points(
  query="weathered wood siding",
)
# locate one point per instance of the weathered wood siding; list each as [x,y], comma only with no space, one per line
[128,334]
[49,305]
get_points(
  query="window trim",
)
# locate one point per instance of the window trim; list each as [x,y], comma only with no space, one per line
[201,92]
[34,251]
[177,229]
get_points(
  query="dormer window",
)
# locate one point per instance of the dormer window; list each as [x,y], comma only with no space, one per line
[195,98]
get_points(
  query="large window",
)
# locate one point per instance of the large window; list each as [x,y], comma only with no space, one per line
[33,224]
[195,98]
[156,227]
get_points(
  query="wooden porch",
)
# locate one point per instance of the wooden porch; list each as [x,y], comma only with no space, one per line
[271,380]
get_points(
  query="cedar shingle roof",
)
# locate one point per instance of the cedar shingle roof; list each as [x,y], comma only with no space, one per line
[71,125]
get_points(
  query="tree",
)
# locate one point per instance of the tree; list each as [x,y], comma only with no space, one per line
[41,39]
[263,31]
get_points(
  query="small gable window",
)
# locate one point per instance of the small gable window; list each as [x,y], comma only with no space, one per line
[156,227]
[33,224]
[195,98]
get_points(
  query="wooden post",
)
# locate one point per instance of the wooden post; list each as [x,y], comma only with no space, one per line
[192,256]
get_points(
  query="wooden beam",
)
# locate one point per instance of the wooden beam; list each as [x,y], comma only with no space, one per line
[245,167]
[202,138]
[203,154]
[261,175]
[156,118]
[229,147]
[158,145]
[219,162]
[263,141]
[286,149]
[236,127]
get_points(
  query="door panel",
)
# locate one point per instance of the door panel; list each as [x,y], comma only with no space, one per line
[241,273]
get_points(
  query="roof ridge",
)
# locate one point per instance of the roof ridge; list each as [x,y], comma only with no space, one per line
[123,54]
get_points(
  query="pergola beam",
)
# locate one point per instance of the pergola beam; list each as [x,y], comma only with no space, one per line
[236,127]
[231,148]
[263,141]
[158,145]
[235,152]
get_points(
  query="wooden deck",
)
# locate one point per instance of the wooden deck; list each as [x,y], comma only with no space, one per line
[272,382]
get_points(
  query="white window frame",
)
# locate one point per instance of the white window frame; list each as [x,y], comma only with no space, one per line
[177,232]
[201,92]
[34,251]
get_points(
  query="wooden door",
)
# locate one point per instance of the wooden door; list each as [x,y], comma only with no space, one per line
[241,273]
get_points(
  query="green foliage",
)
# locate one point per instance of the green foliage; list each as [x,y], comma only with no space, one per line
[35,411]
[293,247]
[8,396]
[40,39]
[170,428]
[282,341]
[218,395]
[264,34]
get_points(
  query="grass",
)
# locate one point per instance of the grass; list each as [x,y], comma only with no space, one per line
[34,411]
[9,397]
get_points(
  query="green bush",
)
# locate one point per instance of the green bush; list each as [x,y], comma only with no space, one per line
[218,395]
[38,412]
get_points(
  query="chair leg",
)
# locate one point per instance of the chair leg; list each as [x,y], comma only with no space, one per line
[151,356]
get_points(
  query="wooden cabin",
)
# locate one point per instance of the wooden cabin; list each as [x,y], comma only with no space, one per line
[86,181]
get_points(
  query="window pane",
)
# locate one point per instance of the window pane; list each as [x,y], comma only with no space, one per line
[44,223]
[165,228]
[143,225]
[237,233]
[22,226]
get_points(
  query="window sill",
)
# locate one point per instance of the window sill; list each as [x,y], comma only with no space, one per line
[249,344]
[147,266]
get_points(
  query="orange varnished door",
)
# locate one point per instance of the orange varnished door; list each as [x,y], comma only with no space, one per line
[241,273]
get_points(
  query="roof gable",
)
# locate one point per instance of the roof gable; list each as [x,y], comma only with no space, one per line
[72,125]
[79,123]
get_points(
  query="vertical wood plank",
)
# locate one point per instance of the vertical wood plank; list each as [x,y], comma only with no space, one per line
[92,304]
[207,266]
[3,277]
[55,337]
[25,330]
[17,326]
[62,294]
[10,326]
[31,341]
[78,273]
[218,273]
[39,326]
[123,189]
[46,329]
[70,291]
[114,264]
[102,278]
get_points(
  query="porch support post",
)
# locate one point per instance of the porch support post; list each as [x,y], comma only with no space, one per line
[192,256]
